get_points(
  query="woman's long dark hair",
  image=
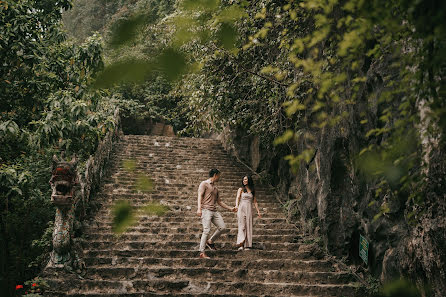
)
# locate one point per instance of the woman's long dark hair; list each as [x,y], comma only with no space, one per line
[250,184]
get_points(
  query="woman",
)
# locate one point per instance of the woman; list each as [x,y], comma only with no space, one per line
[245,198]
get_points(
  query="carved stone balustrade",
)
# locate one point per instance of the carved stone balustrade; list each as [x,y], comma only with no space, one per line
[71,195]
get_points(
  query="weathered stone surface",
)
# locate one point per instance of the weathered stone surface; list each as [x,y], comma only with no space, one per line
[255,152]
[131,125]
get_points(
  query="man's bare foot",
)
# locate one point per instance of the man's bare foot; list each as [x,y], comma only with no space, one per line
[203,256]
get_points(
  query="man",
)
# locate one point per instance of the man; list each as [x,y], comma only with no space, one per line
[207,198]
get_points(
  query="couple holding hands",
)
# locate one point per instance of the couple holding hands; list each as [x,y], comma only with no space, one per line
[208,197]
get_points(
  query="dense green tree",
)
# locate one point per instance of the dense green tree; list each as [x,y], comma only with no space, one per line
[132,34]
[45,108]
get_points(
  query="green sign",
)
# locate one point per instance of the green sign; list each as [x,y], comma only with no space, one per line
[363,249]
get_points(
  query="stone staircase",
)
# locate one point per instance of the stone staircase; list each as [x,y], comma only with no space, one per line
[158,256]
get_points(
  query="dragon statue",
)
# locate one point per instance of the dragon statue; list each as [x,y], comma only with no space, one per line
[64,183]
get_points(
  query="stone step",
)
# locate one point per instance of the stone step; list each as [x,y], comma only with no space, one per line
[191,175]
[198,146]
[172,198]
[215,262]
[107,198]
[216,274]
[177,286]
[223,242]
[164,189]
[207,147]
[199,167]
[160,192]
[180,213]
[202,147]
[229,253]
[148,221]
[169,153]
[228,217]
[175,199]
[197,173]
[188,209]
[180,140]
[198,164]
[183,230]
[166,183]
[153,294]
[198,170]
[172,147]
[183,207]
[110,237]
[76,286]
[186,206]
[155,224]
[171,159]
[172,181]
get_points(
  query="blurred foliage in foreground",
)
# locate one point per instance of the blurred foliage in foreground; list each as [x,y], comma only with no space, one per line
[399,288]
[123,216]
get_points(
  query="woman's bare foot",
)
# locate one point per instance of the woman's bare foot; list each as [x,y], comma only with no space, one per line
[240,246]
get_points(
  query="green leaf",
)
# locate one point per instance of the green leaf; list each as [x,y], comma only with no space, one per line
[172,63]
[132,70]
[123,216]
[401,287]
[363,151]
[231,14]
[318,105]
[129,165]
[201,4]
[126,30]
[377,216]
[227,35]
[294,107]
[284,137]
[143,183]
[155,209]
